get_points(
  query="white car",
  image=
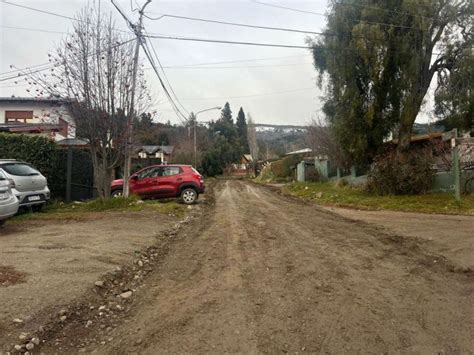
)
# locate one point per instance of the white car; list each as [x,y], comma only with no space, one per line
[27,183]
[8,201]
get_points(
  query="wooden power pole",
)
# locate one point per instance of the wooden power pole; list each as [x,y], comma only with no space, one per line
[137,28]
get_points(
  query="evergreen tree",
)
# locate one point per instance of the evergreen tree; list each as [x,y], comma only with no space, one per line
[242,130]
[381,64]
[226,148]
[226,114]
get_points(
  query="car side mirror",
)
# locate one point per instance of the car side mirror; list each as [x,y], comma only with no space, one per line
[134,177]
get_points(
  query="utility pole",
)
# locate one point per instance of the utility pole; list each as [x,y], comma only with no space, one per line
[137,28]
[195,144]
[194,131]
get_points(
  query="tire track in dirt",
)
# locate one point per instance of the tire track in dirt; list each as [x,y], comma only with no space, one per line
[261,273]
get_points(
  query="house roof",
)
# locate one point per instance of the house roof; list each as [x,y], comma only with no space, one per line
[301,151]
[34,99]
[152,149]
[72,142]
[248,157]
[421,137]
[29,128]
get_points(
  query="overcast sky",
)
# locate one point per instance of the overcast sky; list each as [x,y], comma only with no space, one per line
[278,90]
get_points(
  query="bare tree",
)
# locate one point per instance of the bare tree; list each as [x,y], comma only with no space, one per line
[444,154]
[322,141]
[252,139]
[93,68]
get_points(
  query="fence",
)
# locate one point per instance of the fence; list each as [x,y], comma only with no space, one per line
[444,181]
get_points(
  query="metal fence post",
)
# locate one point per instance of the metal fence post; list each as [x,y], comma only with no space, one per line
[456,171]
[69,174]
[457,175]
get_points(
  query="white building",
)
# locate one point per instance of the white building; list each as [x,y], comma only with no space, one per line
[44,116]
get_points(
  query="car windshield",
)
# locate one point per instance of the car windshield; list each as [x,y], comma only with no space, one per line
[19,169]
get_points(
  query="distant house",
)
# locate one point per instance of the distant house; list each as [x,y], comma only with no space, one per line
[152,152]
[46,116]
[242,168]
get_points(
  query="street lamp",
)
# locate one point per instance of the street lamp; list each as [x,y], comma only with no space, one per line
[194,130]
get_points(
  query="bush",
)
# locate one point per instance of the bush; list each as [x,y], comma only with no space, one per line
[410,173]
[284,168]
[39,151]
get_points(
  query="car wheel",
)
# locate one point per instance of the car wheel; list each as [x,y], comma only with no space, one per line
[117,193]
[189,196]
[2,222]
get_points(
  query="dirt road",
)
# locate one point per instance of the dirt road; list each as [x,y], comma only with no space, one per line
[262,273]
[449,235]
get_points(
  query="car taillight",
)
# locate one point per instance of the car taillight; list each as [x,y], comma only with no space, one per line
[12,183]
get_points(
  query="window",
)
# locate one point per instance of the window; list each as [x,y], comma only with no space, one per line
[150,173]
[18,116]
[172,170]
[19,169]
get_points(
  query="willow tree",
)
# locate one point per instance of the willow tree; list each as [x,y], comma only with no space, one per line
[454,96]
[93,69]
[377,60]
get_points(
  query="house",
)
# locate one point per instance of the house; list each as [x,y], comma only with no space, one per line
[153,152]
[46,116]
[243,168]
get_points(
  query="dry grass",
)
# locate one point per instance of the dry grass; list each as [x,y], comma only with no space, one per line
[347,196]
[84,210]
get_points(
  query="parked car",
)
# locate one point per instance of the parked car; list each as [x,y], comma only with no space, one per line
[8,201]
[164,181]
[27,183]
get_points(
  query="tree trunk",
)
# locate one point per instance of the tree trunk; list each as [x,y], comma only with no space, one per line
[102,176]
[408,117]
[404,136]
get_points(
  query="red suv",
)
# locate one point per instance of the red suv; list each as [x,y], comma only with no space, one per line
[164,181]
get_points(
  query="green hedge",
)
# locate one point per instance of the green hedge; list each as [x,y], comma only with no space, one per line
[284,168]
[39,151]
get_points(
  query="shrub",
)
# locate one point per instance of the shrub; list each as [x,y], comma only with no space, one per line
[284,168]
[39,151]
[409,173]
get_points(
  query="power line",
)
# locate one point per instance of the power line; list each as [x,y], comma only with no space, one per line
[258,44]
[246,60]
[324,15]
[237,24]
[247,96]
[26,68]
[229,42]
[283,29]
[52,13]
[39,10]
[22,72]
[173,104]
[204,65]
[32,29]
[236,67]
[165,76]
